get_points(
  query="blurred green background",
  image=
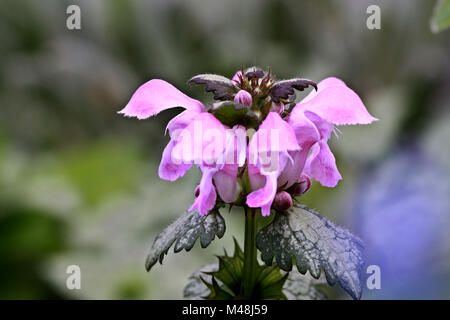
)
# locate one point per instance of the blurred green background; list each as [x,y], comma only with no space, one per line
[79,183]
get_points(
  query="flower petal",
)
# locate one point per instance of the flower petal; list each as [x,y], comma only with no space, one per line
[321,165]
[265,210]
[236,77]
[203,141]
[274,136]
[180,122]
[305,130]
[293,169]
[336,103]
[263,198]
[323,126]
[226,183]
[285,139]
[207,196]
[155,96]
[268,155]
[235,147]
[240,144]
[266,182]
[257,180]
[169,170]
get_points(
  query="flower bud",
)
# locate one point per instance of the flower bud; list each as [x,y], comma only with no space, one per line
[282,201]
[237,77]
[243,97]
[303,185]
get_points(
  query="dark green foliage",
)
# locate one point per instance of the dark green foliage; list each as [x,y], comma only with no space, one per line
[224,282]
[231,113]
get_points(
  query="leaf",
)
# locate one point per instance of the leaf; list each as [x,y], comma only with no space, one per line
[185,231]
[303,287]
[269,283]
[222,280]
[216,291]
[254,73]
[196,288]
[285,88]
[441,16]
[296,285]
[231,113]
[315,243]
[230,269]
[223,88]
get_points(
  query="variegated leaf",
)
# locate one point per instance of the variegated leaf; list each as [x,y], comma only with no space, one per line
[315,243]
[285,88]
[184,232]
[223,88]
[303,287]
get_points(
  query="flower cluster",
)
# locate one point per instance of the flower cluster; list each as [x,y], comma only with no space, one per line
[253,145]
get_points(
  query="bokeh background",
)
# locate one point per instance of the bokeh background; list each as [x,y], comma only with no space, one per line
[79,183]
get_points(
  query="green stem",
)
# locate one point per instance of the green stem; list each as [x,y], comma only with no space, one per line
[250,261]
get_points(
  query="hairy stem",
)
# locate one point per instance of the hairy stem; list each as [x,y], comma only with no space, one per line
[250,261]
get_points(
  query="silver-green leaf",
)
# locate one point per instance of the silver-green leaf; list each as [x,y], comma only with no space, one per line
[315,243]
[303,287]
[184,232]
[222,87]
[285,88]
[196,289]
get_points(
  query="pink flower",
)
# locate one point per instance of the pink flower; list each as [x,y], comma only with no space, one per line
[281,156]
[157,95]
[208,148]
[223,174]
[312,120]
[268,154]
[308,129]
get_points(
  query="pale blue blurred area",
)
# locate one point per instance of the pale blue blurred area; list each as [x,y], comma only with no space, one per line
[79,183]
[402,213]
